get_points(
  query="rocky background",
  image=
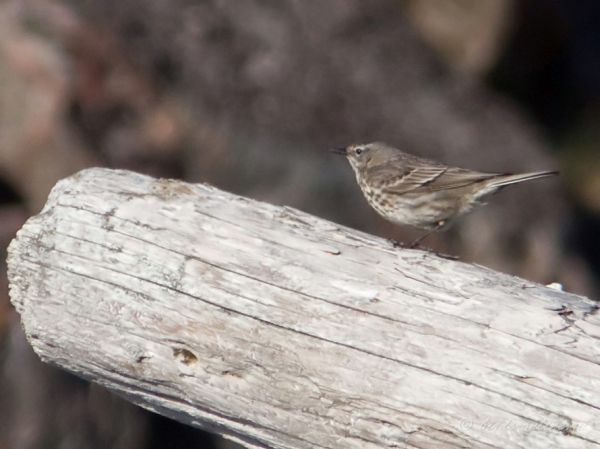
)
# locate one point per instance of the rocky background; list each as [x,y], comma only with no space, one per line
[248,95]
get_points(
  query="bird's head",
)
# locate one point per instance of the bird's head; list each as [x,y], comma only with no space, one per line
[365,155]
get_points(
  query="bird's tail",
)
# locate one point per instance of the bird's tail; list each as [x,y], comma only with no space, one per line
[504,180]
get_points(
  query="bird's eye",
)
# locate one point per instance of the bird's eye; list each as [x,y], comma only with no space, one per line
[358,151]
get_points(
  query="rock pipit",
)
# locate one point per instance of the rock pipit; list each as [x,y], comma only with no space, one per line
[411,190]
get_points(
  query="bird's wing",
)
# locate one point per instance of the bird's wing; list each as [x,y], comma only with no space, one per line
[406,180]
[431,179]
[455,178]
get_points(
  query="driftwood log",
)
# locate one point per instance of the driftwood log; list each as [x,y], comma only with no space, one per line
[279,329]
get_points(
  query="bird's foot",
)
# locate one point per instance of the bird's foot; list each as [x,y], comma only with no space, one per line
[412,245]
[397,243]
[417,245]
[424,248]
[437,253]
[446,256]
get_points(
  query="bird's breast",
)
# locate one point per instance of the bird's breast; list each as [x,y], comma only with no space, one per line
[419,209]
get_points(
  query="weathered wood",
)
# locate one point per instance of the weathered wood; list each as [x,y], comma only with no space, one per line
[279,329]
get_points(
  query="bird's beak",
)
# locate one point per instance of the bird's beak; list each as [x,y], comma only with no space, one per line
[341,151]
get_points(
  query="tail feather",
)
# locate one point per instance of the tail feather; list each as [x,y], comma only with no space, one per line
[507,179]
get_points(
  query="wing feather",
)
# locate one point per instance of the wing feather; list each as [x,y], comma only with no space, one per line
[431,179]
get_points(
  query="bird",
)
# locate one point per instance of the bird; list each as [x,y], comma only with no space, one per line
[410,190]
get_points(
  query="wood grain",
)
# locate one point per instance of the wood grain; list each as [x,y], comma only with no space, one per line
[282,330]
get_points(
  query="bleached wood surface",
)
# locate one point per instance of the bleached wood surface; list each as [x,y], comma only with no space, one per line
[280,329]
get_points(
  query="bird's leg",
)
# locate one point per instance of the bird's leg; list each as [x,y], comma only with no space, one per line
[415,242]
[418,240]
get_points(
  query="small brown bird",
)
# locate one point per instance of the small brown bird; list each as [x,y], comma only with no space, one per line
[407,189]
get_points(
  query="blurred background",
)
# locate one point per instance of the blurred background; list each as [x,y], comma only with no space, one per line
[247,95]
